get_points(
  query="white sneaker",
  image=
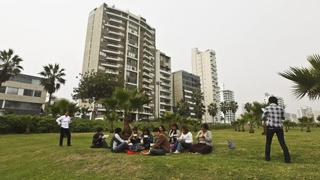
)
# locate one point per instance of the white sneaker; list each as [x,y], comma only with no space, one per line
[176,152]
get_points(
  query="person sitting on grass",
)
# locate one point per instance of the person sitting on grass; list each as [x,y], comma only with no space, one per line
[98,139]
[204,138]
[146,139]
[185,140]
[174,133]
[161,146]
[134,140]
[117,143]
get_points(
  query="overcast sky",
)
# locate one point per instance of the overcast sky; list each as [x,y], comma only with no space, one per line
[253,40]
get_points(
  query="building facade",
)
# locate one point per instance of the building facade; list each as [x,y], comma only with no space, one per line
[22,94]
[122,44]
[228,96]
[204,66]
[163,88]
[305,112]
[184,84]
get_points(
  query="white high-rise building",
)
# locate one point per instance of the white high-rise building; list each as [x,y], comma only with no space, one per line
[204,66]
[122,44]
[228,96]
[163,88]
[305,112]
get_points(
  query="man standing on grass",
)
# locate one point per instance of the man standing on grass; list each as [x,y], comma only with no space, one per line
[64,122]
[274,117]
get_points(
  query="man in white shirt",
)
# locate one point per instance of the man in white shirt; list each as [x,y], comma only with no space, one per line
[64,122]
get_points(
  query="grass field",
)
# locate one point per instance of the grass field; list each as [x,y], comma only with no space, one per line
[37,156]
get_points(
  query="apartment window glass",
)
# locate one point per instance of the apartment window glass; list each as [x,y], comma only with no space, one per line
[133,52]
[22,106]
[133,28]
[1,102]
[11,90]
[37,94]
[36,81]
[28,92]
[132,64]
[131,77]
[2,89]
[133,40]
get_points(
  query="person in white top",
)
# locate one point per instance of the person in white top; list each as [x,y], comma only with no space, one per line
[118,144]
[64,122]
[185,140]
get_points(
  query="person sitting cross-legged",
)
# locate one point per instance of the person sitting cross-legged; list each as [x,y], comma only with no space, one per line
[161,146]
[134,140]
[146,139]
[185,140]
[204,138]
[99,139]
[117,143]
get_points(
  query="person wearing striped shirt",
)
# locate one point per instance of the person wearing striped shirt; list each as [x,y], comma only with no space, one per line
[273,116]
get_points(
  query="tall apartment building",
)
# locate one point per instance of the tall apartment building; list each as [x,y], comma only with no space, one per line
[163,89]
[228,96]
[122,44]
[22,94]
[184,84]
[305,112]
[204,66]
[280,100]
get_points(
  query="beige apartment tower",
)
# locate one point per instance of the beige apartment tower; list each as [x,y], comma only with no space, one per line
[122,44]
[163,88]
[204,66]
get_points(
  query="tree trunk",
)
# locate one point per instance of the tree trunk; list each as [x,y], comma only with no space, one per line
[242,126]
[251,130]
[308,128]
[49,104]
[126,127]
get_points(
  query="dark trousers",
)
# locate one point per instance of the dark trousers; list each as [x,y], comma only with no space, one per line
[157,152]
[269,135]
[66,132]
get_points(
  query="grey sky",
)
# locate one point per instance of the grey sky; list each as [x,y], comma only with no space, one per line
[253,40]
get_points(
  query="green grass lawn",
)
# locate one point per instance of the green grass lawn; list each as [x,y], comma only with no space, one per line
[38,156]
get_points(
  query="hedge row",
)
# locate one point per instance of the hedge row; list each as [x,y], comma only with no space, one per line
[42,124]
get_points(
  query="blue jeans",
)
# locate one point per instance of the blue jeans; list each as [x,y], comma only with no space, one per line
[120,148]
[183,145]
[157,152]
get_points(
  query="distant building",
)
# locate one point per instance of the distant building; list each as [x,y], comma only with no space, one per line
[305,112]
[291,116]
[22,94]
[163,89]
[204,66]
[184,84]
[316,114]
[228,96]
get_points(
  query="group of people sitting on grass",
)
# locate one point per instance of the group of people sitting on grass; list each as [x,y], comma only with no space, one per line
[158,143]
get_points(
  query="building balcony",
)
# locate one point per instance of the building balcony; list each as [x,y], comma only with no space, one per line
[115,46]
[147,63]
[116,27]
[116,33]
[147,87]
[116,20]
[145,68]
[113,52]
[110,65]
[112,72]
[165,97]
[113,38]
[147,75]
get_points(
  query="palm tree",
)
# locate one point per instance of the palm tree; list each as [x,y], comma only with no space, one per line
[306,80]
[52,79]
[213,111]
[199,108]
[138,100]
[110,105]
[224,108]
[9,65]
[233,107]
[286,124]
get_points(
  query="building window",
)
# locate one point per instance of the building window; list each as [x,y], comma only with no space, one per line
[133,39]
[1,102]
[28,92]
[35,81]
[11,90]
[2,89]
[22,106]
[132,64]
[131,77]
[132,52]
[37,94]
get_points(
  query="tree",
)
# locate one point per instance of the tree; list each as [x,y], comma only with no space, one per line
[9,65]
[213,110]
[111,105]
[199,108]
[138,100]
[224,108]
[286,125]
[182,108]
[96,85]
[233,107]
[61,106]
[253,114]
[306,122]
[306,80]
[52,79]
